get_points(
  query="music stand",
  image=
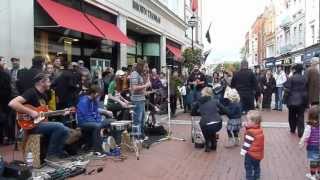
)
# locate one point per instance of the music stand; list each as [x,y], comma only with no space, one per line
[169,136]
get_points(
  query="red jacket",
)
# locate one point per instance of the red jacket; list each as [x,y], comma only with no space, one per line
[253,142]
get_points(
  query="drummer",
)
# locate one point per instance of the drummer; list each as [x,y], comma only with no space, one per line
[90,119]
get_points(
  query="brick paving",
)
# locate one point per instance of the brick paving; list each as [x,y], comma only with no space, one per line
[174,160]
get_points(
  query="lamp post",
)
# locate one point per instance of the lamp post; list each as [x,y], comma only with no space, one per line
[193,22]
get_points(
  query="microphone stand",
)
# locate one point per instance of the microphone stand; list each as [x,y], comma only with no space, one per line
[169,136]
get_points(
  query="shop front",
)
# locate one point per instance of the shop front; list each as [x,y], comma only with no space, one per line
[310,52]
[269,63]
[174,55]
[79,30]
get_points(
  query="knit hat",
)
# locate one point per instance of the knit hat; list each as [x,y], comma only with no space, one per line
[232,95]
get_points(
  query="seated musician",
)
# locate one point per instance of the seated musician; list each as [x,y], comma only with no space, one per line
[55,131]
[89,117]
[116,102]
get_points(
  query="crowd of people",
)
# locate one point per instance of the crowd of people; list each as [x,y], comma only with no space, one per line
[247,93]
[99,96]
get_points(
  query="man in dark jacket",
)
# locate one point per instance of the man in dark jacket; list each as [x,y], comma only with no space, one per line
[5,97]
[246,84]
[296,86]
[66,86]
[197,82]
[25,76]
[313,79]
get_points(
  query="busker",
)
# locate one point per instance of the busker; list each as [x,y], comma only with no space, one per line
[90,119]
[55,131]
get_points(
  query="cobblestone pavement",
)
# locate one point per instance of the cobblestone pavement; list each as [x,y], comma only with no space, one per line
[175,160]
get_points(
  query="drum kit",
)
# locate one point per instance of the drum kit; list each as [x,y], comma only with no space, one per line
[128,142]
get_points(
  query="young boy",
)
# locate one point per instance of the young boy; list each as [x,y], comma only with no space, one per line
[253,146]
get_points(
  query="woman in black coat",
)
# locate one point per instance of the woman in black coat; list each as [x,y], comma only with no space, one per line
[297,101]
[268,84]
[210,121]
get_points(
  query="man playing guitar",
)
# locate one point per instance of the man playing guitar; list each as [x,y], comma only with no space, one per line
[55,131]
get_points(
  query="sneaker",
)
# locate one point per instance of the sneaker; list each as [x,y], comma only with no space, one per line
[230,143]
[146,138]
[237,142]
[311,177]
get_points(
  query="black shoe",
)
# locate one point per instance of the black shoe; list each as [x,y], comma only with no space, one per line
[275,109]
[208,146]
[207,149]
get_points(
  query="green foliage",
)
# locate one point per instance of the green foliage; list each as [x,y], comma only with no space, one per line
[192,58]
[229,66]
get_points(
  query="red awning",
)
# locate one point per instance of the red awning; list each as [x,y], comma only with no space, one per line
[110,31]
[69,18]
[175,51]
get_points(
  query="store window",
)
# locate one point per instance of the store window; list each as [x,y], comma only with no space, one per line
[51,39]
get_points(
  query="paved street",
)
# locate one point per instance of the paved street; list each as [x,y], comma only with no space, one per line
[175,160]
[180,160]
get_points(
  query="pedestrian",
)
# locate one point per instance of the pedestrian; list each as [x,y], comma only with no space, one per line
[197,81]
[311,137]
[297,99]
[268,85]
[52,104]
[313,79]
[211,121]
[281,78]
[245,82]
[5,97]
[253,146]
[56,67]
[15,63]
[174,92]
[259,87]
[25,76]
[84,70]
[65,86]
[234,117]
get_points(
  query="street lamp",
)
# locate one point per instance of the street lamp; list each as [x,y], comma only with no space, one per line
[193,22]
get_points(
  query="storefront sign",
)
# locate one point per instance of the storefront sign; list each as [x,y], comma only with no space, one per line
[278,62]
[147,12]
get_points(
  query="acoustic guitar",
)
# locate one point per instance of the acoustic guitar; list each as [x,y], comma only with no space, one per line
[26,122]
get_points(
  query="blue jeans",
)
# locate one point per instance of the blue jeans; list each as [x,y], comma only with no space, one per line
[92,133]
[57,134]
[279,95]
[252,167]
[138,118]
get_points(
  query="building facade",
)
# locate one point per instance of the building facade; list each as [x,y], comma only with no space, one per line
[154,30]
[291,33]
[257,41]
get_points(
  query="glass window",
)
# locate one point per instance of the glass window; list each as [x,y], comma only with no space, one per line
[151,49]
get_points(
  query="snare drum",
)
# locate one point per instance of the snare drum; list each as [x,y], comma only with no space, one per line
[120,125]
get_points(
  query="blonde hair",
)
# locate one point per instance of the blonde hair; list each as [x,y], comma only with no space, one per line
[206,92]
[254,116]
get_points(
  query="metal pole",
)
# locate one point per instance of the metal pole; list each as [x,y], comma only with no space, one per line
[192,40]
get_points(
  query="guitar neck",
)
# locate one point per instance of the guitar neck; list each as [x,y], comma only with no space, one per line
[54,113]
